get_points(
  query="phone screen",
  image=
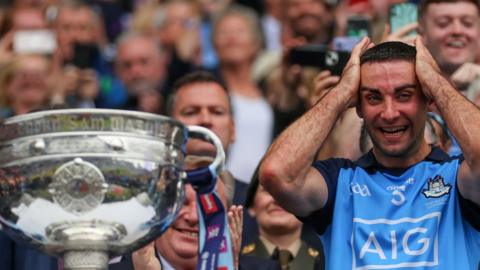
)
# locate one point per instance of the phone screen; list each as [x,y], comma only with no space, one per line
[358,26]
[85,55]
[34,41]
[402,14]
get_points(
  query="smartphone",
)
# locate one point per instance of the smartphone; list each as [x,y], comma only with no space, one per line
[319,56]
[402,14]
[84,55]
[358,26]
[34,41]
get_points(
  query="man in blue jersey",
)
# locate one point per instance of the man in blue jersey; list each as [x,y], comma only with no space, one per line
[404,204]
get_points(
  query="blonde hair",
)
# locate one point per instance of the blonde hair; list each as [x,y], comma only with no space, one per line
[247,14]
[8,70]
[143,19]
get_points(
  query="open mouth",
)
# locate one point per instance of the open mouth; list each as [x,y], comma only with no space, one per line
[189,233]
[393,131]
[457,44]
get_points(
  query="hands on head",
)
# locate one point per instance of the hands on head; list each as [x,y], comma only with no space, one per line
[427,70]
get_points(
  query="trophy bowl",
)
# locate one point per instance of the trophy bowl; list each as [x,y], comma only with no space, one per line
[89,184]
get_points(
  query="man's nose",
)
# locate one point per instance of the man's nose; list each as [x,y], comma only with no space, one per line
[457,27]
[390,111]
[136,69]
[205,118]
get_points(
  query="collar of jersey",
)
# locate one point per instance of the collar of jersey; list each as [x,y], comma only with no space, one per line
[369,162]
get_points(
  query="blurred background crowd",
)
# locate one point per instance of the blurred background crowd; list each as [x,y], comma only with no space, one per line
[127,54]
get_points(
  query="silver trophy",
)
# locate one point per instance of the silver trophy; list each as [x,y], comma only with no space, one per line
[89,184]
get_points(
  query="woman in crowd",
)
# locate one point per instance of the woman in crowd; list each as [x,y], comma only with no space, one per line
[237,40]
[24,85]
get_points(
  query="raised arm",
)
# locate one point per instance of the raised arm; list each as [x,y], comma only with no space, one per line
[462,118]
[286,170]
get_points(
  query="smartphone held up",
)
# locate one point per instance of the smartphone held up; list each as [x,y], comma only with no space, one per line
[401,15]
[320,57]
[358,26]
[85,55]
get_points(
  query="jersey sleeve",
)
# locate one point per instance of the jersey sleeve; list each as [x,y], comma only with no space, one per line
[330,170]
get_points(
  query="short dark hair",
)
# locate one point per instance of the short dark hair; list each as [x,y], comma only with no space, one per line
[388,51]
[191,78]
[423,5]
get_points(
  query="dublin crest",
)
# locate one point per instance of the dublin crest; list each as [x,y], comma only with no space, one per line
[436,187]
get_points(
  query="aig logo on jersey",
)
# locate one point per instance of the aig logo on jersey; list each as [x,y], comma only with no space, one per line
[390,244]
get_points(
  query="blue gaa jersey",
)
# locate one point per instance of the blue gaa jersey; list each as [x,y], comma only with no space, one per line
[412,218]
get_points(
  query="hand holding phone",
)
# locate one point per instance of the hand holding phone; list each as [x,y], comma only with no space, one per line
[319,56]
[324,82]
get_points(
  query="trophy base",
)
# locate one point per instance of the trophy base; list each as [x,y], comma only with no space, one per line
[86,242]
[85,260]
[85,234]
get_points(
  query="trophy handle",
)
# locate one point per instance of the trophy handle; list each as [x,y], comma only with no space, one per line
[197,132]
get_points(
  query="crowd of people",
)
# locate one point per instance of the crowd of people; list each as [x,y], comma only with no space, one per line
[393,140]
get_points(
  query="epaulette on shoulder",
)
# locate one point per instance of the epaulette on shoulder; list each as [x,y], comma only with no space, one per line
[248,249]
